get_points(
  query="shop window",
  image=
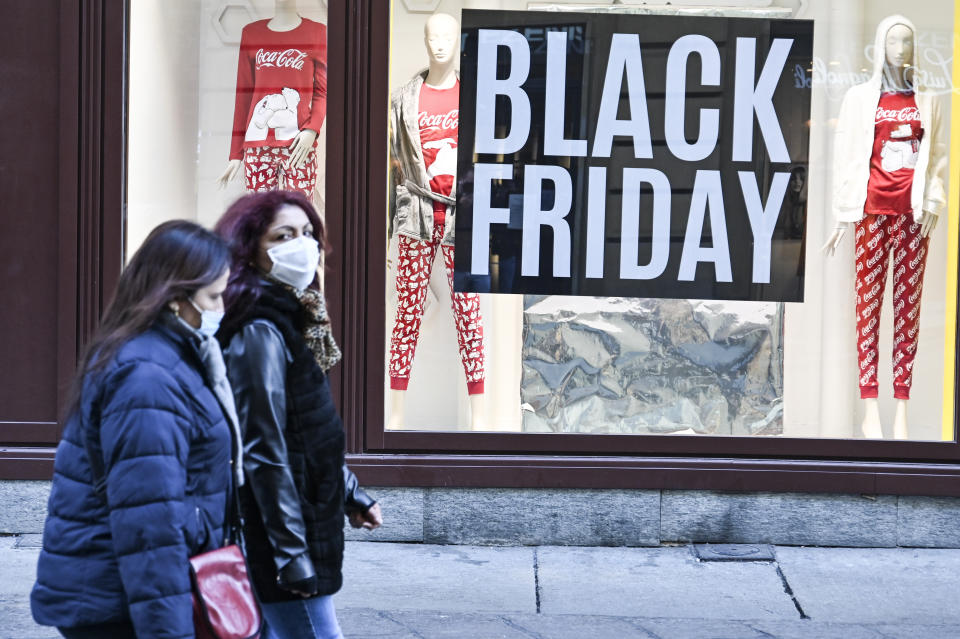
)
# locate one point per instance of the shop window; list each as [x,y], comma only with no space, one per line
[221,95]
[742,364]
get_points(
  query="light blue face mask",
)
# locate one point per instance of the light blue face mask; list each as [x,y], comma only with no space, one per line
[209,320]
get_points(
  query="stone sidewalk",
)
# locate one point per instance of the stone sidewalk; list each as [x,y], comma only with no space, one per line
[421,591]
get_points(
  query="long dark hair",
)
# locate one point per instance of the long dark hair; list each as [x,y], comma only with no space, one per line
[243,225]
[177,259]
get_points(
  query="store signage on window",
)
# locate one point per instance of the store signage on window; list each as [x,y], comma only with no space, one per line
[641,156]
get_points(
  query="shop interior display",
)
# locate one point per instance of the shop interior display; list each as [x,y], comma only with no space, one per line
[280,106]
[424,124]
[889,191]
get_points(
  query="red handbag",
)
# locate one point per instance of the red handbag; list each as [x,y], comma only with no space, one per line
[224,604]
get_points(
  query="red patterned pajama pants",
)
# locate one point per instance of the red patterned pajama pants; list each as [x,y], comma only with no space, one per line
[414,260]
[264,167]
[876,237]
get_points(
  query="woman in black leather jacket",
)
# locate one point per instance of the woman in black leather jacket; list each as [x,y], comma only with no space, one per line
[278,348]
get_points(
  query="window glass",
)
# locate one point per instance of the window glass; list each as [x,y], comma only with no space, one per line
[825,367]
[221,96]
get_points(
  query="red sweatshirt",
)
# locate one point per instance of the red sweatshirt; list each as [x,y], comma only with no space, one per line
[281,85]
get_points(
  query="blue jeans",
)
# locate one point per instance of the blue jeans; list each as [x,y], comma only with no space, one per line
[301,619]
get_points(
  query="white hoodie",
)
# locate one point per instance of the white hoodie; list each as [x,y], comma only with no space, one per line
[853,144]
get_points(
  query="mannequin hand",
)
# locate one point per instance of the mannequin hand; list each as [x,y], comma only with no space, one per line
[230,174]
[928,222]
[369,519]
[300,148]
[835,238]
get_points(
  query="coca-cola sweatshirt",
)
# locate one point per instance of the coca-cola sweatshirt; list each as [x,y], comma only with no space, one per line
[281,85]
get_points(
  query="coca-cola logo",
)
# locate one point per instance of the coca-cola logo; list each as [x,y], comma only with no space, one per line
[874,226]
[901,287]
[859,266]
[912,315]
[868,311]
[898,307]
[873,259]
[867,343]
[874,242]
[872,292]
[899,324]
[872,275]
[286,59]
[912,332]
[897,274]
[899,340]
[860,232]
[899,255]
[915,277]
[897,374]
[447,121]
[906,114]
[869,327]
[872,355]
[914,297]
[860,251]
[916,260]
[866,377]
[914,243]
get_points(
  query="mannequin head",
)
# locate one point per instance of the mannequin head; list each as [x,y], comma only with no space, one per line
[898,56]
[440,35]
[898,46]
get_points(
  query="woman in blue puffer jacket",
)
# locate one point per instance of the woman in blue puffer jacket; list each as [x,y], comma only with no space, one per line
[149,406]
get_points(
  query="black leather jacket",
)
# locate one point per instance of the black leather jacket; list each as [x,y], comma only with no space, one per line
[257,360]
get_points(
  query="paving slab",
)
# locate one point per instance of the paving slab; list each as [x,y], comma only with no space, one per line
[24,505]
[16,621]
[442,578]
[19,568]
[875,585]
[655,582]
[577,627]
[366,622]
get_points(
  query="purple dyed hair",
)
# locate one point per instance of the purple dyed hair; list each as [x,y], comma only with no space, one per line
[243,225]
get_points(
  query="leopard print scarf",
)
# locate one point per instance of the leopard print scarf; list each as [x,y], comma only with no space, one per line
[317,331]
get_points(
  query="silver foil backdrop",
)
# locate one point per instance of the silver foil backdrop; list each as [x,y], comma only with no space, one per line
[628,365]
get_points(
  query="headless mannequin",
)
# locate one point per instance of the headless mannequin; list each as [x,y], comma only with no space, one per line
[285,18]
[440,36]
[897,76]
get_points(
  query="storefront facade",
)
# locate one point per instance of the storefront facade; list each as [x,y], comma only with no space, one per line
[733,391]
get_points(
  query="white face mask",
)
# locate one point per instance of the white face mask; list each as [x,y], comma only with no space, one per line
[209,320]
[295,262]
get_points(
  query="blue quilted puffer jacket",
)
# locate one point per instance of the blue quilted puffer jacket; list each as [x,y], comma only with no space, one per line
[166,450]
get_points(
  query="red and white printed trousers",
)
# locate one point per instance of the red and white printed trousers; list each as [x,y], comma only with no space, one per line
[414,261]
[264,167]
[876,237]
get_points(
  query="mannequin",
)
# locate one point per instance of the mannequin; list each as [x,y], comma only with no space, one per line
[893,214]
[280,103]
[424,116]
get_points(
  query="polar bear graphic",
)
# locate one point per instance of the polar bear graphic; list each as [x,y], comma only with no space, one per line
[899,154]
[277,111]
[446,160]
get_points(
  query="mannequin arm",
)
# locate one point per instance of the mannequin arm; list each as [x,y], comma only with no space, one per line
[230,174]
[928,222]
[300,147]
[835,238]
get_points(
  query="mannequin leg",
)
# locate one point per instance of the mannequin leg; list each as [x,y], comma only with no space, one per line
[871,419]
[303,179]
[398,402]
[872,259]
[469,324]
[478,413]
[260,168]
[414,260]
[909,264]
[900,430]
